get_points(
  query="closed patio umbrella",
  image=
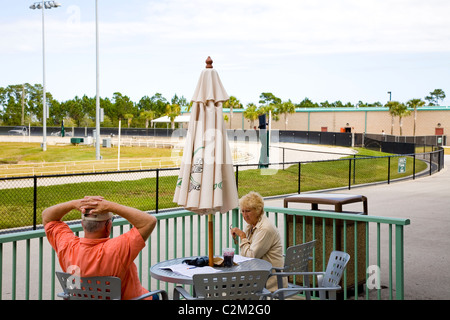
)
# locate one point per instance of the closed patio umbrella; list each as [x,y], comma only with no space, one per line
[206,183]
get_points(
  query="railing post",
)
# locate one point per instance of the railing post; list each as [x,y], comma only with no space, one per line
[399,263]
[235,223]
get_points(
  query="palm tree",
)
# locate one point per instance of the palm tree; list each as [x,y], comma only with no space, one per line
[286,108]
[397,109]
[272,109]
[415,103]
[269,104]
[172,111]
[128,116]
[148,115]
[392,105]
[251,113]
[231,103]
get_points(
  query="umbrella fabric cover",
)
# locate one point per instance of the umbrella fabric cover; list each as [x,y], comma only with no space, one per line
[206,183]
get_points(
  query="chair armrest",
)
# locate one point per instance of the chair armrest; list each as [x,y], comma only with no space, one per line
[180,291]
[302,289]
[63,295]
[264,294]
[163,294]
[278,269]
[285,274]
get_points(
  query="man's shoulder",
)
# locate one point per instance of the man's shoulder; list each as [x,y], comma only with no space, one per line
[131,236]
[56,225]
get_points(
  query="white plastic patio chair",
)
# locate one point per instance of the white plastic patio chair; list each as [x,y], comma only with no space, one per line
[240,285]
[327,282]
[96,288]
[296,260]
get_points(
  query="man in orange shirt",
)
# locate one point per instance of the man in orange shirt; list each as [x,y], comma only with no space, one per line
[96,254]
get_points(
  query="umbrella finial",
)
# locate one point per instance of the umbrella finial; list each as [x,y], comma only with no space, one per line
[209,63]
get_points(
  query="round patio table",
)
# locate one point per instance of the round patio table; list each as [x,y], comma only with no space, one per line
[170,276]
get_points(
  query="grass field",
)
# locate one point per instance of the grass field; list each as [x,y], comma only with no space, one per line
[11,152]
[16,207]
[28,159]
[326,174]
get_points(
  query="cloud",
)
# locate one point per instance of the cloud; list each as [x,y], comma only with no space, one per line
[319,26]
[261,27]
[150,45]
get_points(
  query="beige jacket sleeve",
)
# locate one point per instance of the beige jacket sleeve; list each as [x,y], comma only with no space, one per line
[257,244]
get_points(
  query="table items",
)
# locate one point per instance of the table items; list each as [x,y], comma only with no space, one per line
[175,271]
[228,255]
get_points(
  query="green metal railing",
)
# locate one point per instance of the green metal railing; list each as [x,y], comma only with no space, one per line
[28,263]
[362,235]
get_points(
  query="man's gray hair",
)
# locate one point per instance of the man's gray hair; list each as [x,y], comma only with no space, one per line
[93,226]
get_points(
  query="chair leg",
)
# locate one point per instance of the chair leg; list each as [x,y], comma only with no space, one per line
[280,285]
[306,283]
[332,295]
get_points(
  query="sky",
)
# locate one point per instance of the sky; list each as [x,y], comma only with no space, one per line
[324,50]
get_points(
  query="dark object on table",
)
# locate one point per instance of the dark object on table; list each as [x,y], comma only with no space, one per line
[198,262]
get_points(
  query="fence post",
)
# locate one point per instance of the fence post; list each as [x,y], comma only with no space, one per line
[237,177]
[349,173]
[299,175]
[414,166]
[431,163]
[389,170]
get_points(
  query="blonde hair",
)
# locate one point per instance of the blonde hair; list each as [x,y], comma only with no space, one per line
[252,200]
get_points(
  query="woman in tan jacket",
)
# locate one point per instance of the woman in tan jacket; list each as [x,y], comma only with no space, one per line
[261,238]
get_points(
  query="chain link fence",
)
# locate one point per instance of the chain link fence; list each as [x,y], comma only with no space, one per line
[24,198]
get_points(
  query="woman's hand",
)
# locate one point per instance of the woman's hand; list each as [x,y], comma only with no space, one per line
[237,232]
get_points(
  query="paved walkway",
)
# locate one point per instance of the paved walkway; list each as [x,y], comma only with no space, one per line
[426,202]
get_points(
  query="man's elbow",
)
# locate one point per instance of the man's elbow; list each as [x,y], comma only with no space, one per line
[45,217]
[147,228]
[152,222]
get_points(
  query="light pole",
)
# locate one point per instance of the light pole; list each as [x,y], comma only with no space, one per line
[44,5]
[390,95]
[97,100]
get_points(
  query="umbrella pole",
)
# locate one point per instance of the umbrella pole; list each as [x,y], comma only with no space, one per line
[210,240]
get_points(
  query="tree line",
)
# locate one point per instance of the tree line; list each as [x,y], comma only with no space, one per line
[22,105]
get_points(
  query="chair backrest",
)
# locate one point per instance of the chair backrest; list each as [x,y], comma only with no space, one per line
[335,269]
[89,288]
[240,285]
[298,256]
